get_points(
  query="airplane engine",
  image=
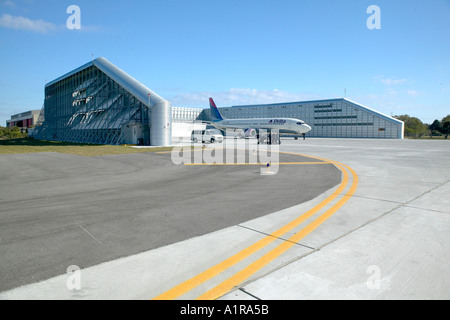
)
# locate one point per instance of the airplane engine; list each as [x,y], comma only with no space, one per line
[250,133]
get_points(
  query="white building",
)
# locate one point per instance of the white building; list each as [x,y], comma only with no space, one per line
[184,122]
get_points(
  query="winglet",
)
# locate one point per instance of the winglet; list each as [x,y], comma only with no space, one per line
[215,114]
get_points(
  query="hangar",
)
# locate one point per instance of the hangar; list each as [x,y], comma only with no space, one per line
[332,118]
[101,104]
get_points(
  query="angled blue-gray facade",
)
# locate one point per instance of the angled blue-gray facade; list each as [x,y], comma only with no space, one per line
[331,118]
[99,103]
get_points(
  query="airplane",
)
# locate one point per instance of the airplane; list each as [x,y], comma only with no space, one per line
[250,128]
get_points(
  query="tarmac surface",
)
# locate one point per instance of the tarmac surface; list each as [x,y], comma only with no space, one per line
[377,226]
[61,210]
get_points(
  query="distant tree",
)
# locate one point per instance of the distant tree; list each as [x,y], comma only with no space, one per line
[435,133]
[445,123]
[15,133]
[11,133]
[435,126]
[413,126]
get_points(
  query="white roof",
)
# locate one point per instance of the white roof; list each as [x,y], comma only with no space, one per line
[130,84]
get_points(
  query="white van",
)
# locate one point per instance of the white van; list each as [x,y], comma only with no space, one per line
[210,135]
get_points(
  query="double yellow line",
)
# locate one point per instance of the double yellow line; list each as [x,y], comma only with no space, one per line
[251,269]
[252,163]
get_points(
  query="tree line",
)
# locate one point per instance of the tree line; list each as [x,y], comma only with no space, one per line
[414,128]
[11,133]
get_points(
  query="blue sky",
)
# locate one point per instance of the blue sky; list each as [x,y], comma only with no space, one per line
[239,52]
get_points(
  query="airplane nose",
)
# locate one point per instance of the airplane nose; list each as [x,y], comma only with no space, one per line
[308,128]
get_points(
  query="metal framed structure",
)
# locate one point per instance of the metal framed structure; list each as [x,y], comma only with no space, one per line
[99,103]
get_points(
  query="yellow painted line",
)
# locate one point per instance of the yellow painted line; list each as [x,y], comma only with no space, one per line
[201,278]
[247,272]
[191,150]
[253,163]
[323,161]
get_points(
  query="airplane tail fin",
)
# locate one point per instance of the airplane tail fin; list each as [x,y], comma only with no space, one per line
[215,114]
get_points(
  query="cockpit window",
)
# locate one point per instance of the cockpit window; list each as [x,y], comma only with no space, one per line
[300,123]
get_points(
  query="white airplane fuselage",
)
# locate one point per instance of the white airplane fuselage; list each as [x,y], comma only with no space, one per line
[289,126]
[252,127]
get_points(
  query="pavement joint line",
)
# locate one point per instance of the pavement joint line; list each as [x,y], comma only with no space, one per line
[269,235]
[248,293]
[426,192]
[426,209]
[377,199]
[226,264]
[400,203]
[346,234]
[90,234]
[400,179]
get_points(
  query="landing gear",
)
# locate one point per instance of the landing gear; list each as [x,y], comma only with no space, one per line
[271,138]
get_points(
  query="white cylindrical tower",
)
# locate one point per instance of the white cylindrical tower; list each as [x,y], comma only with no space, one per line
[160,115]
